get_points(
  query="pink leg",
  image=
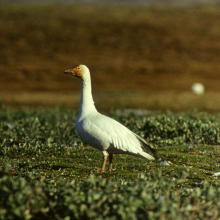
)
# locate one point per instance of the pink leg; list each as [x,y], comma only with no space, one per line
[104,163]
[110,162]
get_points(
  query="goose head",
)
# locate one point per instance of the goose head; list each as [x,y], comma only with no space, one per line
[80,71]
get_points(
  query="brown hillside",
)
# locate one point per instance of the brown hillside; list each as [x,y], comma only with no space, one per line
[139,57]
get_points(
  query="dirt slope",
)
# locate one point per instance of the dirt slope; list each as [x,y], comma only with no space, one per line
[147,51]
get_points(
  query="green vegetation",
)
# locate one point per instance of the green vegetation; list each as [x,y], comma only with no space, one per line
[154,54]
[47,172]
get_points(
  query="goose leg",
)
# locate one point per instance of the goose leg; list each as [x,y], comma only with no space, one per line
[110,162]
[104,163]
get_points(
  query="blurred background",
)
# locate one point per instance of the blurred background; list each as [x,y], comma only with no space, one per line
[141,54]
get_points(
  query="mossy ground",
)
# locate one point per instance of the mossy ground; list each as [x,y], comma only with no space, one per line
[46,143]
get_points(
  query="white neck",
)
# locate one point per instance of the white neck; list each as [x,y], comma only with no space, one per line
[86,102]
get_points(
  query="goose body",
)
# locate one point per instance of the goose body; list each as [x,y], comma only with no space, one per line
[102,132]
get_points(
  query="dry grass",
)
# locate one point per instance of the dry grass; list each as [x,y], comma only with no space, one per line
[155,53]
[104,101]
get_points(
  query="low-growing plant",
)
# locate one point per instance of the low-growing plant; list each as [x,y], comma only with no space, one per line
[48,172]
[150,196]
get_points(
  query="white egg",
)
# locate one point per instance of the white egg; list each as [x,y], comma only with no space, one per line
[198,88]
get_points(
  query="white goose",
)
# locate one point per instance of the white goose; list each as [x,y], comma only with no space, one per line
[102,132]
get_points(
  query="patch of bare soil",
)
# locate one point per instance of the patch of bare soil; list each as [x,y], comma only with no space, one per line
[144,57]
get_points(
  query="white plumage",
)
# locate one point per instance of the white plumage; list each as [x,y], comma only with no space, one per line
[102,132]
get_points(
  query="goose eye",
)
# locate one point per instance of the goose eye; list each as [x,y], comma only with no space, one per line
[78,68]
